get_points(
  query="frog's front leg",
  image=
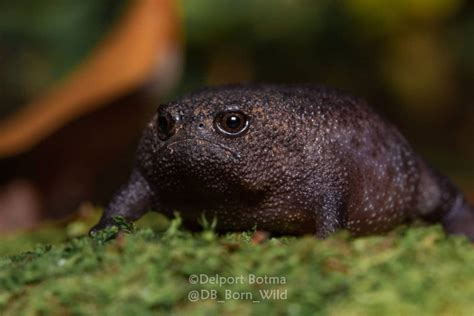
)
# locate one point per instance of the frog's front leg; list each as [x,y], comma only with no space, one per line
[131,201]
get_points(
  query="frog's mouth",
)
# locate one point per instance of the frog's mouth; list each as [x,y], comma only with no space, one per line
[197,142]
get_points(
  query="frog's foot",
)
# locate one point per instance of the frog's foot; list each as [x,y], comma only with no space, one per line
[460,220]
[102,224]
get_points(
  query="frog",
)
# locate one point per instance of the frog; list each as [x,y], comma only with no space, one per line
[294,159]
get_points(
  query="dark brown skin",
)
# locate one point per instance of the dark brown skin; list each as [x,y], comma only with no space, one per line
[286,159]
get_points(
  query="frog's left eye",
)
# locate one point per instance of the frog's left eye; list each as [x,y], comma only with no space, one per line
[231,123]
[165,125]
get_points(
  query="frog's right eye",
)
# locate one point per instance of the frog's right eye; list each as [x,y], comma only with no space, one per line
[231,123]
[165,125]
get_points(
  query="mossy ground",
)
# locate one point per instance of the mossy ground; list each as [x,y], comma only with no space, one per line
[411,271]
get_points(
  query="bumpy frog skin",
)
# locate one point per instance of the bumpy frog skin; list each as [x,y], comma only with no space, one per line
[287,159]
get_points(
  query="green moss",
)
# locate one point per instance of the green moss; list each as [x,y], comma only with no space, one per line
[409,271]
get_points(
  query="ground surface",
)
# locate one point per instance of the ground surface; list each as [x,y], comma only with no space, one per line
[412,271]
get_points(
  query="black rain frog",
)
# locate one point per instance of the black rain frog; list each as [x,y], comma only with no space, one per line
[288,159]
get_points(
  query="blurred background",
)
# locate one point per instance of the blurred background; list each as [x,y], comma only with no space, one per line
[79,79]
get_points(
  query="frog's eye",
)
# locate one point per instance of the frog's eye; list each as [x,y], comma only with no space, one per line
[231,123]
[165,125]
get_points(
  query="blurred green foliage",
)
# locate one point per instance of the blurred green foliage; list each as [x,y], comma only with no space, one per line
[416,271]
[42,41]
[405,49]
